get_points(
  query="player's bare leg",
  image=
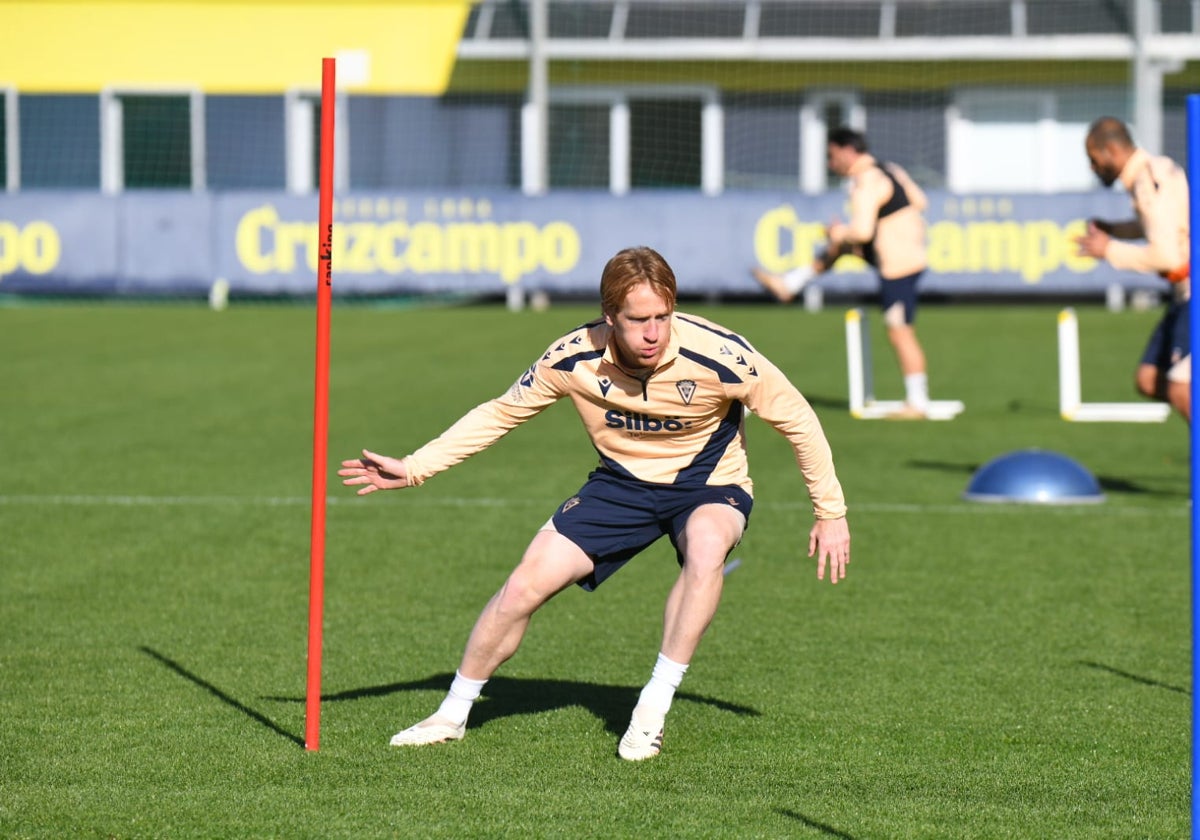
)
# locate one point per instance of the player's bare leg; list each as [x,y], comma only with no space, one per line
[551,563]
[1150,382]
[911,358]
[710,533]
[1179,395]
[1174,387]
[785,287]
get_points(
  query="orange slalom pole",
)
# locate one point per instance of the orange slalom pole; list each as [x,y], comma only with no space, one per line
[316,574]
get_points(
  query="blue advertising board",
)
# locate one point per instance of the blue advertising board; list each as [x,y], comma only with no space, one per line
[169,243]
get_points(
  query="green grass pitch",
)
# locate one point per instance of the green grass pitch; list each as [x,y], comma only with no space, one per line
[985,671]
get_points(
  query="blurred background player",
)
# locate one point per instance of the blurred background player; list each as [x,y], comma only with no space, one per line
[662,396]
[887,229]
[1159,191]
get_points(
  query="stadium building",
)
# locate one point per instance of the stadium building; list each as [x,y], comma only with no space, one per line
[455,113]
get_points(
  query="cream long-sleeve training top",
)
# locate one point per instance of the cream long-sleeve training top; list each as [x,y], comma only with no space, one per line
[683,424]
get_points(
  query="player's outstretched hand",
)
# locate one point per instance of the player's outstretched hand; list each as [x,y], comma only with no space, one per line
[374,472]
[829,540]
[1094,243]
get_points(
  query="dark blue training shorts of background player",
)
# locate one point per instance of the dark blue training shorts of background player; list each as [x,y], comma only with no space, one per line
[902,290]
[613,519]
[1171,339]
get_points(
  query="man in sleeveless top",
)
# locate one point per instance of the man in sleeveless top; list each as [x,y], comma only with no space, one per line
[887,229]
[1159,190]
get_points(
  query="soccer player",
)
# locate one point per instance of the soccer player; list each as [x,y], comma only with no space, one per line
[1159,190]
[887,229]
[663,397]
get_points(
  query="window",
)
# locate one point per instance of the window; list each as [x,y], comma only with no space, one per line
[762,138]
[60,147]
[579,146]
[151,140]
[665,143]
[438,142]
[822,112]
[156,137]
[1037,136]
[829,19]
[245,142]
[662,137]
[672,19]
[909,128]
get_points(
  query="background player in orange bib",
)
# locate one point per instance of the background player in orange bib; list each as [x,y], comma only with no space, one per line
[1159,190]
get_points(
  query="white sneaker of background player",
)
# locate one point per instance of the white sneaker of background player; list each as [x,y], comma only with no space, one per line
[798,278]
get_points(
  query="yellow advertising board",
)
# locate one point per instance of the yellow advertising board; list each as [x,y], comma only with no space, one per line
[219,46]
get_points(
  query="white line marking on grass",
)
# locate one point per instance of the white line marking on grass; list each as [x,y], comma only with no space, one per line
[153,501]
[966,508]
[990,508]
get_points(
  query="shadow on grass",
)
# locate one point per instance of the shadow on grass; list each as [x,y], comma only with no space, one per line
[508,696]
[224,697]
[811,823]
[943,466]
[1108,483]
[1099,666]
[1113,484]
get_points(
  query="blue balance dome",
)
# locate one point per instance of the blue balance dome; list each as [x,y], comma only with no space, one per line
[1034,476]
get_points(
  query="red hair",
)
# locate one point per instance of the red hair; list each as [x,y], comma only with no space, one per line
[630,268]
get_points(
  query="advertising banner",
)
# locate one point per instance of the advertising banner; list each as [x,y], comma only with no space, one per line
[167,243]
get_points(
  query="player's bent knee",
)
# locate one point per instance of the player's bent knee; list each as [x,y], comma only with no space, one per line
[1147,381]
[711,533]
[1179,394]
[895,317]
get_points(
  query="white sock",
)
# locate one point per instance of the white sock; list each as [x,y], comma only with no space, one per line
[458,702]
[916,390]
[798,278]
[660,691]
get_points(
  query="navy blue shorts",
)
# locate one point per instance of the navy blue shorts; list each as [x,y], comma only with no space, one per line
[613,519]
[1171,340]
[902,290]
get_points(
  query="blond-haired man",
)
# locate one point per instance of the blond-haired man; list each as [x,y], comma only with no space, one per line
[663,397]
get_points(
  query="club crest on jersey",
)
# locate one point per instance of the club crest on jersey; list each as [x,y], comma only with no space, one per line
[687,390]
[604,384]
